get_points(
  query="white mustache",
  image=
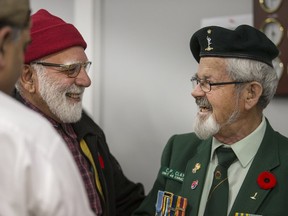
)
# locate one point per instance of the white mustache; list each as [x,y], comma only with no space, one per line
[75,90]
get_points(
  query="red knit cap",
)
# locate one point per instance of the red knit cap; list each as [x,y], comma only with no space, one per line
[49,35]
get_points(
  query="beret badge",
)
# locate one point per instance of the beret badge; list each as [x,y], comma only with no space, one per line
[209,48]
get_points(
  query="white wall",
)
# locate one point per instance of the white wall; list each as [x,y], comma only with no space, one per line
[143,69]
[62,8]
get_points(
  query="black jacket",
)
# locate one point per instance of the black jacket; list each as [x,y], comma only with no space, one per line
[122,196]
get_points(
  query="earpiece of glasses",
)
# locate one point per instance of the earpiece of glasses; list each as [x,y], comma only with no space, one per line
[72,70]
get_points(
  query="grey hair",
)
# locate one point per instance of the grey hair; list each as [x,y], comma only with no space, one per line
[39,69]
[251,70]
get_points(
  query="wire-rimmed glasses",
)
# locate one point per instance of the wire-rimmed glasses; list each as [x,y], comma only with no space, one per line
[205,85]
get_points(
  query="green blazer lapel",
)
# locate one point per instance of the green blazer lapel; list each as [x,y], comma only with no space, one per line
[251,195]
[194,181]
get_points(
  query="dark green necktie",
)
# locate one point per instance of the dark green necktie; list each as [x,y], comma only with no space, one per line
[217,202]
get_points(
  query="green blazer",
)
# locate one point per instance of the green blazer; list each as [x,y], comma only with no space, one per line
[181,154]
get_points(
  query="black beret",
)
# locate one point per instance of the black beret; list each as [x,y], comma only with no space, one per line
[243,42]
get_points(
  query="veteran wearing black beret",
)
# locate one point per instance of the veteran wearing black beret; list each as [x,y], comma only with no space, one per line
[234,163]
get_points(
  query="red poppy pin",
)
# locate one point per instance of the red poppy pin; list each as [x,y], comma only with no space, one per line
[266,180]
[101,161]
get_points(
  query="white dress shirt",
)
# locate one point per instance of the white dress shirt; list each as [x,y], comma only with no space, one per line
[38,175]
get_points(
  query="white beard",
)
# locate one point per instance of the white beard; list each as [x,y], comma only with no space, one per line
[54,94]
[205,127]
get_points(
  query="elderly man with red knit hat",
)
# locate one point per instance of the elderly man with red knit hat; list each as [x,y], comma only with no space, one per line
[52,83]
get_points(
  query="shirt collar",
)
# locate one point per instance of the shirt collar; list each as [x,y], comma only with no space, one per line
[246,148]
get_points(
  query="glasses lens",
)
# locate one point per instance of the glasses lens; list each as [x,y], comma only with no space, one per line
[87,66]
[73,70]
[76,68]
[205,86]
[194,81]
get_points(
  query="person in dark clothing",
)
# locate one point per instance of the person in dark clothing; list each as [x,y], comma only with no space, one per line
[52,83]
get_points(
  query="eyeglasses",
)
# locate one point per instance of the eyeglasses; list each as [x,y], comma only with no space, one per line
[205,85]
[72,70]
